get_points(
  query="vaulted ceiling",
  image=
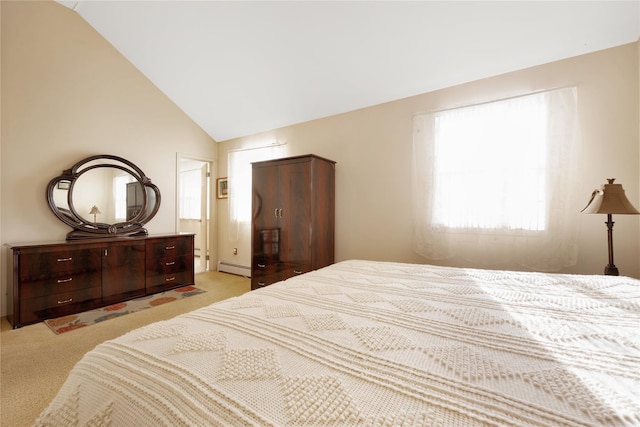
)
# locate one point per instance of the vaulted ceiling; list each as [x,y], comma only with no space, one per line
[239,67]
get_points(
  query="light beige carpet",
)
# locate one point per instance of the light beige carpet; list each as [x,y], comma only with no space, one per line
[35,361]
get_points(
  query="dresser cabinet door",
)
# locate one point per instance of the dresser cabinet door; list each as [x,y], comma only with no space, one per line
[169,263]
[123,275]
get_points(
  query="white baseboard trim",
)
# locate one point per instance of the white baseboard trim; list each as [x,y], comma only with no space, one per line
[227,267]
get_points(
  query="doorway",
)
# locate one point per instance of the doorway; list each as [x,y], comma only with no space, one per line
[194,213]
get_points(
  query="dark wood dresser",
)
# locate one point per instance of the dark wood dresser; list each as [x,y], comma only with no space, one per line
[293,217]
[48,280]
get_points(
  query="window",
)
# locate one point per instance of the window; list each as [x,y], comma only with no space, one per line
[190,194]
[239,182]
[492,182]
[490,165]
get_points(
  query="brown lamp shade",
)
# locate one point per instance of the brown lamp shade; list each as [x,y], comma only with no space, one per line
[610,200]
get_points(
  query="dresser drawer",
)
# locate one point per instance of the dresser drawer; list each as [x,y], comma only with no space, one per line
[262,280]
[170,265]
[265,273]
[157,282]
[60,284]
[56,305]
[295,269]
[170,247]
[42,265]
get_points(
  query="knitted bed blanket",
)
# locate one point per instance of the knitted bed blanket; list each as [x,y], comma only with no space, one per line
[364,343]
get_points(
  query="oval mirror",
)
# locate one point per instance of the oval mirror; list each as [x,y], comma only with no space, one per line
[103,196]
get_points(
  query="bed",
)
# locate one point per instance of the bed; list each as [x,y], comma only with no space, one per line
[363,343]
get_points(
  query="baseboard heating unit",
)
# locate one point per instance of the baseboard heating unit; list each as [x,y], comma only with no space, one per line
[227,267]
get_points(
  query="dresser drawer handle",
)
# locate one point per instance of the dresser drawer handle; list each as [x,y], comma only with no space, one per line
[65,280]
[170,279]
[170,263]
[262,265]
[297,272]
[261,284]
[65,301]
[166,248]
[65,259]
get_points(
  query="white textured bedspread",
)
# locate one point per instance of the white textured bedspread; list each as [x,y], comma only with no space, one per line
[365,343]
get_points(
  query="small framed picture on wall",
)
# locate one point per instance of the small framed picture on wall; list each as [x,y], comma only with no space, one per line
[222,188]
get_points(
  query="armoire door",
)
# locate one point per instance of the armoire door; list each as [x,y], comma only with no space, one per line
[265,227]
[266,201]
[295,213]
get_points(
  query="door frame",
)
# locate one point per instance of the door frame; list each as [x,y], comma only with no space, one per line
[212,229]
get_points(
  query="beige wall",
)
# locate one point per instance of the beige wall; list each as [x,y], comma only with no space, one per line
[68,94]
[372,148]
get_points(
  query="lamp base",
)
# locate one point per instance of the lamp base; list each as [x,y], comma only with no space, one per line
[611,270]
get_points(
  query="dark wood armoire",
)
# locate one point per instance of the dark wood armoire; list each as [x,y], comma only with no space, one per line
[293,217]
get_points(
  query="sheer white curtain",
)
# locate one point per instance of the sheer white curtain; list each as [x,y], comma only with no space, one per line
[190,194]
[239,183]
[493,183]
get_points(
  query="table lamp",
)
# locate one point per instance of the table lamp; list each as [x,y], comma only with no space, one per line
[609,200]
[94,211]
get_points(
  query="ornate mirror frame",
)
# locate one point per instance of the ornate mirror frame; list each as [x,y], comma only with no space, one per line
[61,189]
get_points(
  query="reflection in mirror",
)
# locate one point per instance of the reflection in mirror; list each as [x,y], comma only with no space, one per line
[109,190]
[61,199]
[103,196]
[152,200]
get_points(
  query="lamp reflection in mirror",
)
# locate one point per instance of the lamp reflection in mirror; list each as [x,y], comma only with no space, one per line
[94,211]
[610,199]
